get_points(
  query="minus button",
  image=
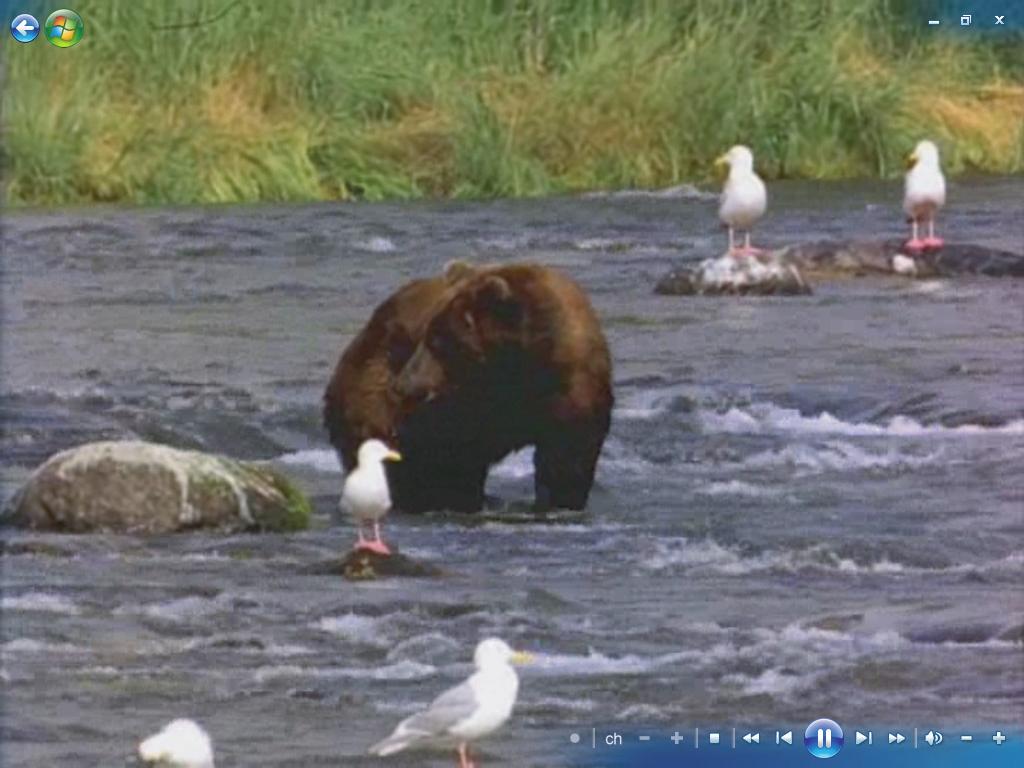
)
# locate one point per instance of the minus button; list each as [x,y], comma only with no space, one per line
[933,22]
[966,738]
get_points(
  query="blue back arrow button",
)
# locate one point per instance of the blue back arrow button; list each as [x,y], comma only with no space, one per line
[24,28]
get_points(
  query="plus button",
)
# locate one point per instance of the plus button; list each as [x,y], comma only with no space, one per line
[999,738]
[676,738]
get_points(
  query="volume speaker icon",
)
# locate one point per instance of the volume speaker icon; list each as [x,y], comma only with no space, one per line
[932,738]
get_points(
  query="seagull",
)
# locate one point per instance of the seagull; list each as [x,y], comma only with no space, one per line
[469,711]
[924,193]
[744,198]
[366,497]
[181,744]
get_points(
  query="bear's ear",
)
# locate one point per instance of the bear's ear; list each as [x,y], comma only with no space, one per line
[493,288]
[494,298]
[456,270]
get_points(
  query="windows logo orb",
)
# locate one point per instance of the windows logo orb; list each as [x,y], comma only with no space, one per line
[64,28]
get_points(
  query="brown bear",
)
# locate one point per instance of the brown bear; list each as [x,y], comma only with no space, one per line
[459,371]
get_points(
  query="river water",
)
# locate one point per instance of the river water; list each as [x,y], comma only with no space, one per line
[806,507]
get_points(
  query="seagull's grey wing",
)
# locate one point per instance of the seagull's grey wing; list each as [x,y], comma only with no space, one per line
[451,707]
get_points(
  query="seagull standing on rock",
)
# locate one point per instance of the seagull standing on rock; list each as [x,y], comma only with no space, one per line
[366,497]
[924,193]
[469,711]
[181,744]
[744,197]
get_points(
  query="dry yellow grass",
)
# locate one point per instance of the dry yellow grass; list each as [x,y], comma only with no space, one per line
[420,139]
[988,122]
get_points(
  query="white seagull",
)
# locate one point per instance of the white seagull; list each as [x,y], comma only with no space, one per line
[924,193]
[181,744]
[366,497]
[469,711]
[744,197]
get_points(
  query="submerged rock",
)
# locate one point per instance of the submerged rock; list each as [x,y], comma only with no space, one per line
[139,487]
[761,275]
[823,259]
[367,565]
[786,271]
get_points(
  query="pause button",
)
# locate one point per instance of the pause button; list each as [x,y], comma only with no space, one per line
[823,738]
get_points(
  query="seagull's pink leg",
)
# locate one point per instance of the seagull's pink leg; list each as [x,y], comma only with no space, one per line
[371,545]
[464,761]
[376,544]
[914,244]
[748,249]
[932,242]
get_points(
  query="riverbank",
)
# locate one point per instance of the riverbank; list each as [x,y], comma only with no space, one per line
[287,101]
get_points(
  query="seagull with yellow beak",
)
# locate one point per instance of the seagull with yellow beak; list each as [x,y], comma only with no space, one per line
[471,710]
[924,193]
[366,497]
[744,197]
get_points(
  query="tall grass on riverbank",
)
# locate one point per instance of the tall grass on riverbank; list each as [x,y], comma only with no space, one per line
[215,100]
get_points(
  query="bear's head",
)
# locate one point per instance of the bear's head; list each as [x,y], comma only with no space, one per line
[482,318]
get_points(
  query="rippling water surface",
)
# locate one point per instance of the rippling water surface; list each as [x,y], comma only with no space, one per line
[806,505]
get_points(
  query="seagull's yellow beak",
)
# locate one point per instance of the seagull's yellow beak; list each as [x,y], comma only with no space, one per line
[522,657]
[721,167]
[911,160]
[392,456]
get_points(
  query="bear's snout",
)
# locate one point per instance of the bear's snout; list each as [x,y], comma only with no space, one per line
[421,377]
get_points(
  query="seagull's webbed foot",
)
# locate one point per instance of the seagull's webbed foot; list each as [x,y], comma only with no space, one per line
[915,245]
[932,243]
[374,545]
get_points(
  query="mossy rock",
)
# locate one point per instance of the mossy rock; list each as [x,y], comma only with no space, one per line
[367,565]
[140,487]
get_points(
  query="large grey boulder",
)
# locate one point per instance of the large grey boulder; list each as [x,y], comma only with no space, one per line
[139,487]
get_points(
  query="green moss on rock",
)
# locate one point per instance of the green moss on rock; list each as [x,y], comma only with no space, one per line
[297,510]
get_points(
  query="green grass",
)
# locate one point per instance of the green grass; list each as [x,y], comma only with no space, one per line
[374,99]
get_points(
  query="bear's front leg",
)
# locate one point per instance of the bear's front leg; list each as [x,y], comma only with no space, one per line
[564,463]
[422,485]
